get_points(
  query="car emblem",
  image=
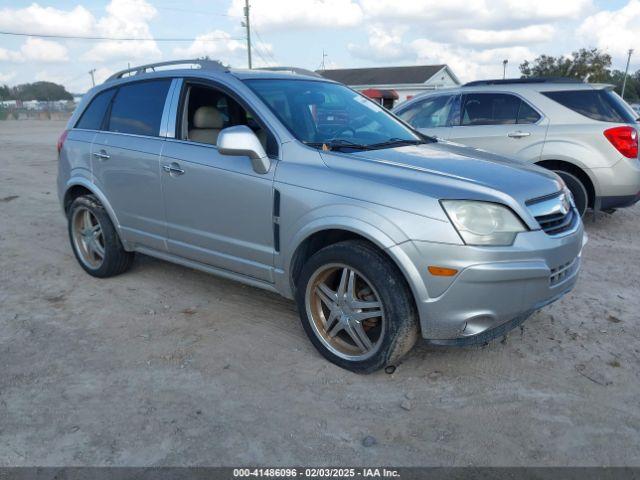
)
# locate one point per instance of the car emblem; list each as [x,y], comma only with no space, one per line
[565,206]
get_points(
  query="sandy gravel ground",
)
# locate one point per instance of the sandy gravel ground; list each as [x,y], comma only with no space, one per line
[168,366]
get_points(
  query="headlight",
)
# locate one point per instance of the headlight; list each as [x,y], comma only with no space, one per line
[483,223]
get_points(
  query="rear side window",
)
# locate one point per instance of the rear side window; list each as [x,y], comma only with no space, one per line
[137,108]
[496,109]
[430,113]
[602,105]
[93,115]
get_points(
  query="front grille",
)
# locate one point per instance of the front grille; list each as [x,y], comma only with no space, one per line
[562,272]
[556,223]
[555,213]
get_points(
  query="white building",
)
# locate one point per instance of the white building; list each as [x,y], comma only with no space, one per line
[394,84]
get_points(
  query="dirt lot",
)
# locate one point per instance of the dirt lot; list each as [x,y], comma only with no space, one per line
[168,366]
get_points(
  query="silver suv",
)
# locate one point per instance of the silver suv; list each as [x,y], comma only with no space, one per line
[584,132]
[301,186]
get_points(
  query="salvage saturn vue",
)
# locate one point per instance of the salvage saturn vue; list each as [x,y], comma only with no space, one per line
[299,185]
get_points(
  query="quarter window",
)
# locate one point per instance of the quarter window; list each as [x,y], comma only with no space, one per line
[93,116]
[432,112]
[527,114]
[603,105]
[137,108]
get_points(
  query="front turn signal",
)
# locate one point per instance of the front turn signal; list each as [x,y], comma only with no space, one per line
[441,271]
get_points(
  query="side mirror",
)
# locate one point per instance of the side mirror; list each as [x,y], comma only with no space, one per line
[241,141]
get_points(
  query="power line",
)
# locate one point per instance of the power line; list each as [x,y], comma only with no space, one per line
[199,12]
[257,50]
[264,49]
[127,39]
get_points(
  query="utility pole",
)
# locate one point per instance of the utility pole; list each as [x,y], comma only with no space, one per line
[626,72]
[247,24]
[322,65]
[93,80]
[504,68]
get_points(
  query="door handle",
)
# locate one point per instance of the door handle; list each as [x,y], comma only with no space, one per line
[518,134]
[173,169]
[102,155]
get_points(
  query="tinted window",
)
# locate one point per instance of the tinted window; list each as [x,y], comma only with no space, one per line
[93,115]
[138,107]
[490,109]
[527,114]
[432,112]
[602,105]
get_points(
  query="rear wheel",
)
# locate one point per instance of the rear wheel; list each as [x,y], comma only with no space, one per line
[356,307]
[577,188]
[94,239]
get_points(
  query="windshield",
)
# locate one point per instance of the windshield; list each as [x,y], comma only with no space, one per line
[331,116]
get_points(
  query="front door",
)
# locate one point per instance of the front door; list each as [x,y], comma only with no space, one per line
[219,211]
[501,123]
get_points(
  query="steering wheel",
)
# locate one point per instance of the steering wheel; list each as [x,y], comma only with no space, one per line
[343,130]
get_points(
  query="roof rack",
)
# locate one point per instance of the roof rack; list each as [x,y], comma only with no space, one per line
[296,70]
[203,63]
[508,81]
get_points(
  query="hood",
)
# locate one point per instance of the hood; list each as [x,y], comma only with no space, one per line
[474,169]
[415,178]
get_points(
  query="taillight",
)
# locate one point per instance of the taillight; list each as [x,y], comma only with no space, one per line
[61,139]
[625,139]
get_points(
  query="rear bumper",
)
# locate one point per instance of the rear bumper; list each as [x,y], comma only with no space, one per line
[495,288]
[621,201]
[617,184]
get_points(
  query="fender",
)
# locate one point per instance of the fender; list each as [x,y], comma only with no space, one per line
[83,181]
[368,229]
[576,163]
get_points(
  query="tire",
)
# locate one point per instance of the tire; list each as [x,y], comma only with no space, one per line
[94,240]
[578,190]
[375,301]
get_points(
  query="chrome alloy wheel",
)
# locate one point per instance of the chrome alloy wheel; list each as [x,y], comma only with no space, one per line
[88,239]
[345,311]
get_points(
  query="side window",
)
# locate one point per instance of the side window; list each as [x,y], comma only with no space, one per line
[602,104]
[490,109]
[526,113]
[93,116]
[207,110]
[137,107]
[432,112]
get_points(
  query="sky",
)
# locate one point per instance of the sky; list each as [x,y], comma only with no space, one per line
[472,36]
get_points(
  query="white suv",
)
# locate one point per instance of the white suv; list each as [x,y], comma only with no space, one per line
[584,132]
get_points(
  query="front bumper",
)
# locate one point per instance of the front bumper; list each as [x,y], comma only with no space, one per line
[494,286]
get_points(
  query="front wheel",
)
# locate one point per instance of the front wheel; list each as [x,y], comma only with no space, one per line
[356,307]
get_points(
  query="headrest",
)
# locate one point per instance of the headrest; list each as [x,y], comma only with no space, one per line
[208,117]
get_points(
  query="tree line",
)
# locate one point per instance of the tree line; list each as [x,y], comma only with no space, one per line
[43,91]
[589,65]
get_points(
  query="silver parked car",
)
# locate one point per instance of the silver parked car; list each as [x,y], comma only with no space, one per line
[584,132]
[301,186]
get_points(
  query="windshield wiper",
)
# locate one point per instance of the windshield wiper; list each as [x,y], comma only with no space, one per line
[395,142]
[338,144]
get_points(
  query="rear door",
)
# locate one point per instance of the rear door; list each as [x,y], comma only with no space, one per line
[430,115]
[502,123]
[126,160]
[79,141]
